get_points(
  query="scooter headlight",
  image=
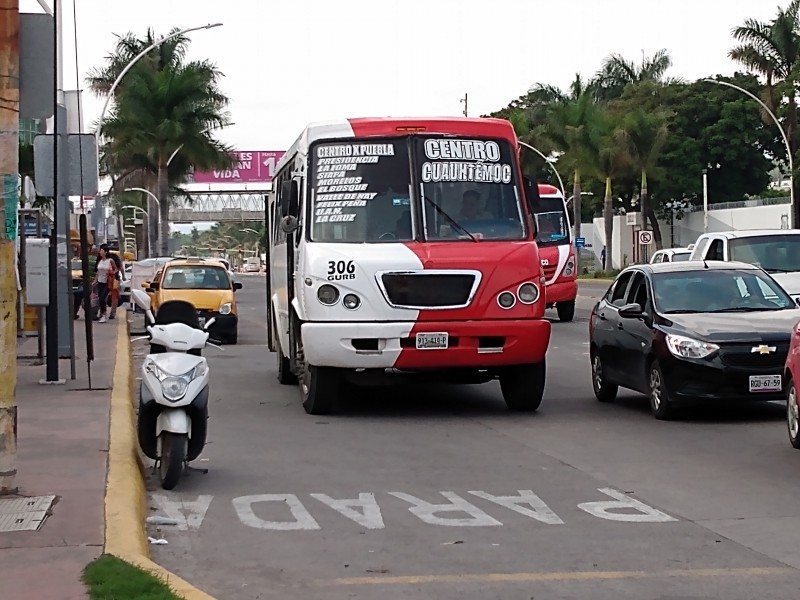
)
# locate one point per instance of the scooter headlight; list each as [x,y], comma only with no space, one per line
[174,388]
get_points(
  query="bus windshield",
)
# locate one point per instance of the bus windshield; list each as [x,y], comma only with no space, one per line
[552,225]
[465,189]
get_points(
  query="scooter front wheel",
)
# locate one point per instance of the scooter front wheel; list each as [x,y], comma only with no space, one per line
[173,455]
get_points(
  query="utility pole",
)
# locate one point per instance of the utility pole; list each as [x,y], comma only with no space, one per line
[9,170]
[464,101]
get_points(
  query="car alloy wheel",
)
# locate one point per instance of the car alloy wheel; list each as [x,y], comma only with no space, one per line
[656,389]
[597,373]
[793,416]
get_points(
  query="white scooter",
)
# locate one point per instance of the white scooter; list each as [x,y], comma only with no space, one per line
[173,395]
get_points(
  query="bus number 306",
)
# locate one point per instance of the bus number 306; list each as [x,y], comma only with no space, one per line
[340,270]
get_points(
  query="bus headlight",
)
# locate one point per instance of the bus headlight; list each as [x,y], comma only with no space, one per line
[569,268]
[528,293]
[328,294]
[225,309]
[506,300]
[351,301]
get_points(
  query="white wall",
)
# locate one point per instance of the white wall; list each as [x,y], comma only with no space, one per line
[686,229]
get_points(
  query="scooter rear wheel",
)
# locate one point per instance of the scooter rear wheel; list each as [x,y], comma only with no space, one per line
[173,455]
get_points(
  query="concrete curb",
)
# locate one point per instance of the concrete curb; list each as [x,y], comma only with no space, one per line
[126,504]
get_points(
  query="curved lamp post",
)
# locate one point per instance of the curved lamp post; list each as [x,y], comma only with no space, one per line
[178,149]
[550,164]
[147,231]
[136,59]
[148,192]
[780,128]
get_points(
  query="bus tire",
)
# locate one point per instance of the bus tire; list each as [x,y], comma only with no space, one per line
[566,311]
[285,375]
[320,389]
[523,386]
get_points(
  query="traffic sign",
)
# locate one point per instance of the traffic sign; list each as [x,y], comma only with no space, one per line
[645,237]
[580,242]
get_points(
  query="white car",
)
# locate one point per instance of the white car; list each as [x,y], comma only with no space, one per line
[671,255]
[777,251]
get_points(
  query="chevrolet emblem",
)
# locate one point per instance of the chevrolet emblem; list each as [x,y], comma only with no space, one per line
[762,349]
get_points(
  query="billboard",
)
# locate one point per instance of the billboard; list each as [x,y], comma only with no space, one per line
[251,166]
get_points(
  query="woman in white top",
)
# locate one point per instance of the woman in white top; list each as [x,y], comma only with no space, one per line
[106,271]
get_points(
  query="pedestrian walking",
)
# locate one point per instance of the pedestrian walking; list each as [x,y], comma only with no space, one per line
[603,257]
[105,275]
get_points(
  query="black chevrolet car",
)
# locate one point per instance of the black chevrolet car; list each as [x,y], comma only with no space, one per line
[691,330]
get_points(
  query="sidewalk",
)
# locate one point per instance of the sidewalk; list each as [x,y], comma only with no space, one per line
[62,451]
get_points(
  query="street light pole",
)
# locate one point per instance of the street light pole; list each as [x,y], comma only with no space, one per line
[705,200]
[783,135]
[154,198]
[550,164]
[149,244]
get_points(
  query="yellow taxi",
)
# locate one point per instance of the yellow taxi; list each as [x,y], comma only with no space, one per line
[207,286]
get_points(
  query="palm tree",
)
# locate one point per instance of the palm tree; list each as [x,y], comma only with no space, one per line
[165,109]
[772,50]
[644,134]
[571,120]
[617,72]
[129,166]
[607,160]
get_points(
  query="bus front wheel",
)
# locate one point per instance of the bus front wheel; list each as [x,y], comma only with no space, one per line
[523,386]
[566,310]
[320,389]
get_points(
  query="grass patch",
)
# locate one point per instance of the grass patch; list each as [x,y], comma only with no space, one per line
[600,275]
[109,578]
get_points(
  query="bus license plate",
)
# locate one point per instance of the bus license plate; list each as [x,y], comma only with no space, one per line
[432,341]
[765,383]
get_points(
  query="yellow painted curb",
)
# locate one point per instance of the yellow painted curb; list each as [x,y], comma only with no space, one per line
[126,502]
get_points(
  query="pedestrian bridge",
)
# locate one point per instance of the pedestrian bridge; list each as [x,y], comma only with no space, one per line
[226,207]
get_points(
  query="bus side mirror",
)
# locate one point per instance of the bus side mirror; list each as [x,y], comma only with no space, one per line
[290,199]
[531,194]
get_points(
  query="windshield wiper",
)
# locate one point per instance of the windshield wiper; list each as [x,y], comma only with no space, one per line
[745,309]
[779,271]
[453,222]
[681,311]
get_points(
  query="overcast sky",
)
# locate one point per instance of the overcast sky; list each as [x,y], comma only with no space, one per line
[291,62]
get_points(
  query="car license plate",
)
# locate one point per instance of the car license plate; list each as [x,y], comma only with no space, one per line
[766,383]
[432,341]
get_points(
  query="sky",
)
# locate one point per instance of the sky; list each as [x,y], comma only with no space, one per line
[293,62]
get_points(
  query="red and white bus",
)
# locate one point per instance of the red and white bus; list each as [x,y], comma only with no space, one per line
[405,247]
[556,250]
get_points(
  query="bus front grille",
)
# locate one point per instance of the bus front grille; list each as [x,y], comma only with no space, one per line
[429,289]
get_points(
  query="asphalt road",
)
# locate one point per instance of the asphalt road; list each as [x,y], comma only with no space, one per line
[439,492]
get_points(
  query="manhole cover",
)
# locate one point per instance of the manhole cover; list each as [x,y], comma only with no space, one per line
[24,514]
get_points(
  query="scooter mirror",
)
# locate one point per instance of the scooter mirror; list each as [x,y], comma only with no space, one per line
[210,322]
[141,299]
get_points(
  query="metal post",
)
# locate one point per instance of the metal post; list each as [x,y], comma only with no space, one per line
[465,100]
[52,308]
[9,169]
[705,200]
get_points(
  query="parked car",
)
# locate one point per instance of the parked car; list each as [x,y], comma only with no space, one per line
[691,330]
[777,251]
[792,375]
[204,284]
[670,255]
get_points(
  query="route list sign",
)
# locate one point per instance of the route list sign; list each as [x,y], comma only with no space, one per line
[339,180]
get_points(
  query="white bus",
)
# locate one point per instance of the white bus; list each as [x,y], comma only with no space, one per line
[405,246]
